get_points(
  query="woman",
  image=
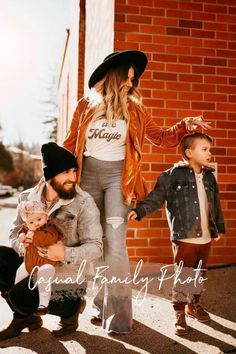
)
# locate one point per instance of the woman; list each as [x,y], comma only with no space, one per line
[107,135]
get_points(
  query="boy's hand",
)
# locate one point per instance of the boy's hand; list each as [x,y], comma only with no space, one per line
[218,237]
[132,215]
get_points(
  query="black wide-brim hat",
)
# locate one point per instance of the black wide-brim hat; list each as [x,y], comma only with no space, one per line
[132,57]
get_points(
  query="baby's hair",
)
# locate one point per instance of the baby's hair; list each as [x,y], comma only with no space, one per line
[30,207]
[188,142]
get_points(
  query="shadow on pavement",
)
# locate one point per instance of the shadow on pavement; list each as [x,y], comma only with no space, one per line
[146,338]
[210,338]
[152,341]
[40,341]
[143,337]
[216,326]
[155,335]
[218,297]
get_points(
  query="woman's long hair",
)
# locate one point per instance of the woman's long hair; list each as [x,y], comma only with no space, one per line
[111,97]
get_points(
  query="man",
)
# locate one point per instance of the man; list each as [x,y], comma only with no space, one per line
[75,214]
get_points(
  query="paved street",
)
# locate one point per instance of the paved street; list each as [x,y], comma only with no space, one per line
[153,320]
[7,215]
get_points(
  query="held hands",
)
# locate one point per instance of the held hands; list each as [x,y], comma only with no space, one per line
[55,252]
[218,237]
[132,215]
[198,122]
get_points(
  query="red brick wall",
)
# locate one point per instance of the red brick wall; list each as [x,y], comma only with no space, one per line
[192,70]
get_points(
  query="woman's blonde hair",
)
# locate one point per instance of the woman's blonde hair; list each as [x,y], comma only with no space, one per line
[109,96]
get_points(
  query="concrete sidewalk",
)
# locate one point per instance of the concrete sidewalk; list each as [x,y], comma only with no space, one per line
[153,324]
[9,202]
[153,319]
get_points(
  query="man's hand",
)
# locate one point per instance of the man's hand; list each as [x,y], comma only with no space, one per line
[55,252]
[132,215]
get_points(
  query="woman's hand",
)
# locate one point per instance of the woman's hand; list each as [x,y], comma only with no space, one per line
[132,215]
[55,252]
[198,122]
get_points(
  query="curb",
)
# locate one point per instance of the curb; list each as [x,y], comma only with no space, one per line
[8,205]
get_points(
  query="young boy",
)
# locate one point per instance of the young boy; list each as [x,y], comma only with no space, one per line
[194,216]
[43,234]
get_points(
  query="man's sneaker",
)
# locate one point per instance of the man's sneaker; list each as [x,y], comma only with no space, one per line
[198,312]
[180,324]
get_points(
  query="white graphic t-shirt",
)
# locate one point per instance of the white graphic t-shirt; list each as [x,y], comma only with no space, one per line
[105,142]
[204,213]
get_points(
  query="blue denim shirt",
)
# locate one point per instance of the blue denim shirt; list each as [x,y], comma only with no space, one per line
[177,187]
[77,219]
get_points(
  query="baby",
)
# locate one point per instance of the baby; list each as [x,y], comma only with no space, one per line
[43,233]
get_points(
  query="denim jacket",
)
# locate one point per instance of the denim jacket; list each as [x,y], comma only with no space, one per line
[77,219]
[177,187]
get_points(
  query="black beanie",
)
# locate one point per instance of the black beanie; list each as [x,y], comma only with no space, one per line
[56,159]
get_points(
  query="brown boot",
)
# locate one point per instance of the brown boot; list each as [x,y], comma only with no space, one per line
[41,310]
[96,321]
[5,295]
[198,312]
[70,324]
[180,324]
[18,324]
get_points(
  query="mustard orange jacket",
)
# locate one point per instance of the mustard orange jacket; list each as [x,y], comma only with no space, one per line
[140,126]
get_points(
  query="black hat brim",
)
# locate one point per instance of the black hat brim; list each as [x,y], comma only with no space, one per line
[132,57]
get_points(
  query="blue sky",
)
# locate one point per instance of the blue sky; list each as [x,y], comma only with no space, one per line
[32,35]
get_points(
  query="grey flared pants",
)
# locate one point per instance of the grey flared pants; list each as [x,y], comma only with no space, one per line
[113,302]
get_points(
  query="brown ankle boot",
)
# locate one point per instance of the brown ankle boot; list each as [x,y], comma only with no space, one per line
[41,310]
[198,312]
[18,324]
[180,325]
[70,324]
[5,295]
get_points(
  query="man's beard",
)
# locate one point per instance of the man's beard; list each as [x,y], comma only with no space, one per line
[61,191]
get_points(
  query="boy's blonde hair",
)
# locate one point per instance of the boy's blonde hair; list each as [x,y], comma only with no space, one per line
[30,207]
[188,142]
